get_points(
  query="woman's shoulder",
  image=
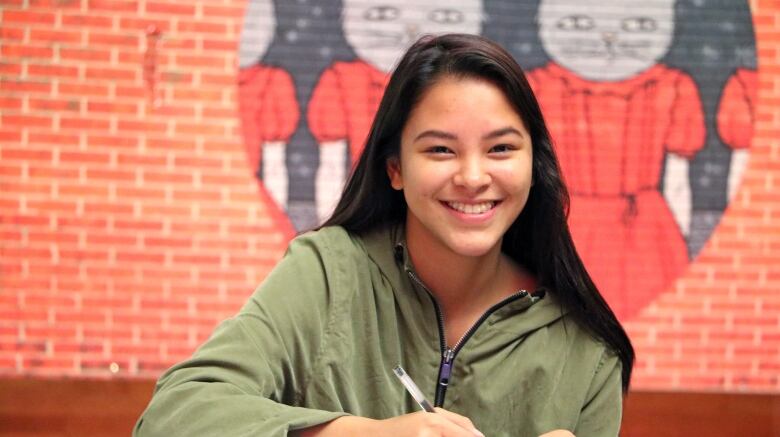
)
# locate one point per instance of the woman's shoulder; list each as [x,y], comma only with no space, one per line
[333,240]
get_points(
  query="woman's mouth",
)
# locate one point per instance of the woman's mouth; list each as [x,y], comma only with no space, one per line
[472,208]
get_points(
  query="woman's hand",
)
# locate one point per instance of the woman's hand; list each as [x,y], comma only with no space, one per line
[443,423]
[558,433]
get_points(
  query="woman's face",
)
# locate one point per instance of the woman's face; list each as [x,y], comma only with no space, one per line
[464,167]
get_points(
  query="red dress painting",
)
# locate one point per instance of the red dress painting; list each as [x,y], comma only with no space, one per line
[611,139]
[269,112]
[344,102]
[736,110]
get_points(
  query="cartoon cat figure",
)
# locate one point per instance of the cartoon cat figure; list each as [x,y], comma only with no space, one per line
[620,120]
[736,114]
[347,94]
[268,109]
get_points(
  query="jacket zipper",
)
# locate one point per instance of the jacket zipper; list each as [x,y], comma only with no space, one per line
[448,354]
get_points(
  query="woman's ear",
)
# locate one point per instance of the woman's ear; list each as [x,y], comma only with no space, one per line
[393,166]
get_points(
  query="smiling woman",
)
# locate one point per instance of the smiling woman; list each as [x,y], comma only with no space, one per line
[448,254]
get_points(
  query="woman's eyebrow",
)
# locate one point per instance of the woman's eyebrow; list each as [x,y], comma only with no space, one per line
[501,132]
[442,135]
[433,133]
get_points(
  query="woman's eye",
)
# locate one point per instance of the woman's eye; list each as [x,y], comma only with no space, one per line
[502,148]
[438,150]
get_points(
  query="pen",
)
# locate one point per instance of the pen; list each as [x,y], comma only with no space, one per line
[412,388]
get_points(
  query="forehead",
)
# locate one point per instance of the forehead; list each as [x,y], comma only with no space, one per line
[456,102]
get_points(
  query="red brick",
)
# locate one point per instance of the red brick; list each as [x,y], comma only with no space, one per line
[89,123]
[83,89]
[142,126]
[43,104]
[81,255]
[167,177]
[8,33]
[132,91]
[10,136]
[130,57]
[55,36]
[168,211]
[113,6]
[170,8]
[51,206]
[138,225]
[125,255]
[10,103]
[168,242]
[99,239]
[88,54]
[26,51]
[113,39]
[27,17]
[26,120]
[86,20]
[201,61]
[203,27]
[220,45]
[26,154]
[101,366]
[113,74]
[144,24]
[24,86]
[81,190]
[168,144]
[235,12]
[45,172]
[10,69]
[113,272]
[133,159]
[50,70]
[113,141]
[153,367]
[63,347]
[107,208]
[50,331]
[200,95]
[177,77]
[114,108]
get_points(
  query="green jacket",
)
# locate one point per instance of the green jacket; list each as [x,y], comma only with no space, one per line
[321,335]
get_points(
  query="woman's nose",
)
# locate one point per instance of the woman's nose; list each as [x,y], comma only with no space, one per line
[472,175]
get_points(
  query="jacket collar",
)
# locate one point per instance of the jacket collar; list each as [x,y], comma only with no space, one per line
[386,246]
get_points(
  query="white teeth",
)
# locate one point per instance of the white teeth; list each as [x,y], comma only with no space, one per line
[478,208]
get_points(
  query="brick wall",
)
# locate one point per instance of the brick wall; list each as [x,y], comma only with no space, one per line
[131,222]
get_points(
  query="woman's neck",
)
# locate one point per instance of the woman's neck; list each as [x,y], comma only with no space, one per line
[464,284]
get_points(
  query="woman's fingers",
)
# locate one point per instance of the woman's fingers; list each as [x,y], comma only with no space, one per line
[462,421]
[558,433]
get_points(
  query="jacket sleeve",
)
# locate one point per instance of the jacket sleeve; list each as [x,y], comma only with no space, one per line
[602,413]
[246,377]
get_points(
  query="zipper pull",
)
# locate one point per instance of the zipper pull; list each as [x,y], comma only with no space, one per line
[446,368]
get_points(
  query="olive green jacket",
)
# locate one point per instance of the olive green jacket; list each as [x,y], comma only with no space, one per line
[321,335]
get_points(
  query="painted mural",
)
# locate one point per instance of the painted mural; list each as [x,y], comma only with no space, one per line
[649,102]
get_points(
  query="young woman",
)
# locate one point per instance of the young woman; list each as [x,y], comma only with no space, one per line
[448,254]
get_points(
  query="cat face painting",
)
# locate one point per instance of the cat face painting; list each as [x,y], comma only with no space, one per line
[257,32]
[608,40]
[380,31]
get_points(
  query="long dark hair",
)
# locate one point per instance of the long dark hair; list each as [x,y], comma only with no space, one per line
[539,238]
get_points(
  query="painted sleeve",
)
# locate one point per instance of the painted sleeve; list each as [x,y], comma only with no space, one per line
[279,113]
[251,96]
[245,378]
[326,112]
[686,132]
[603,410]
[735,114]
